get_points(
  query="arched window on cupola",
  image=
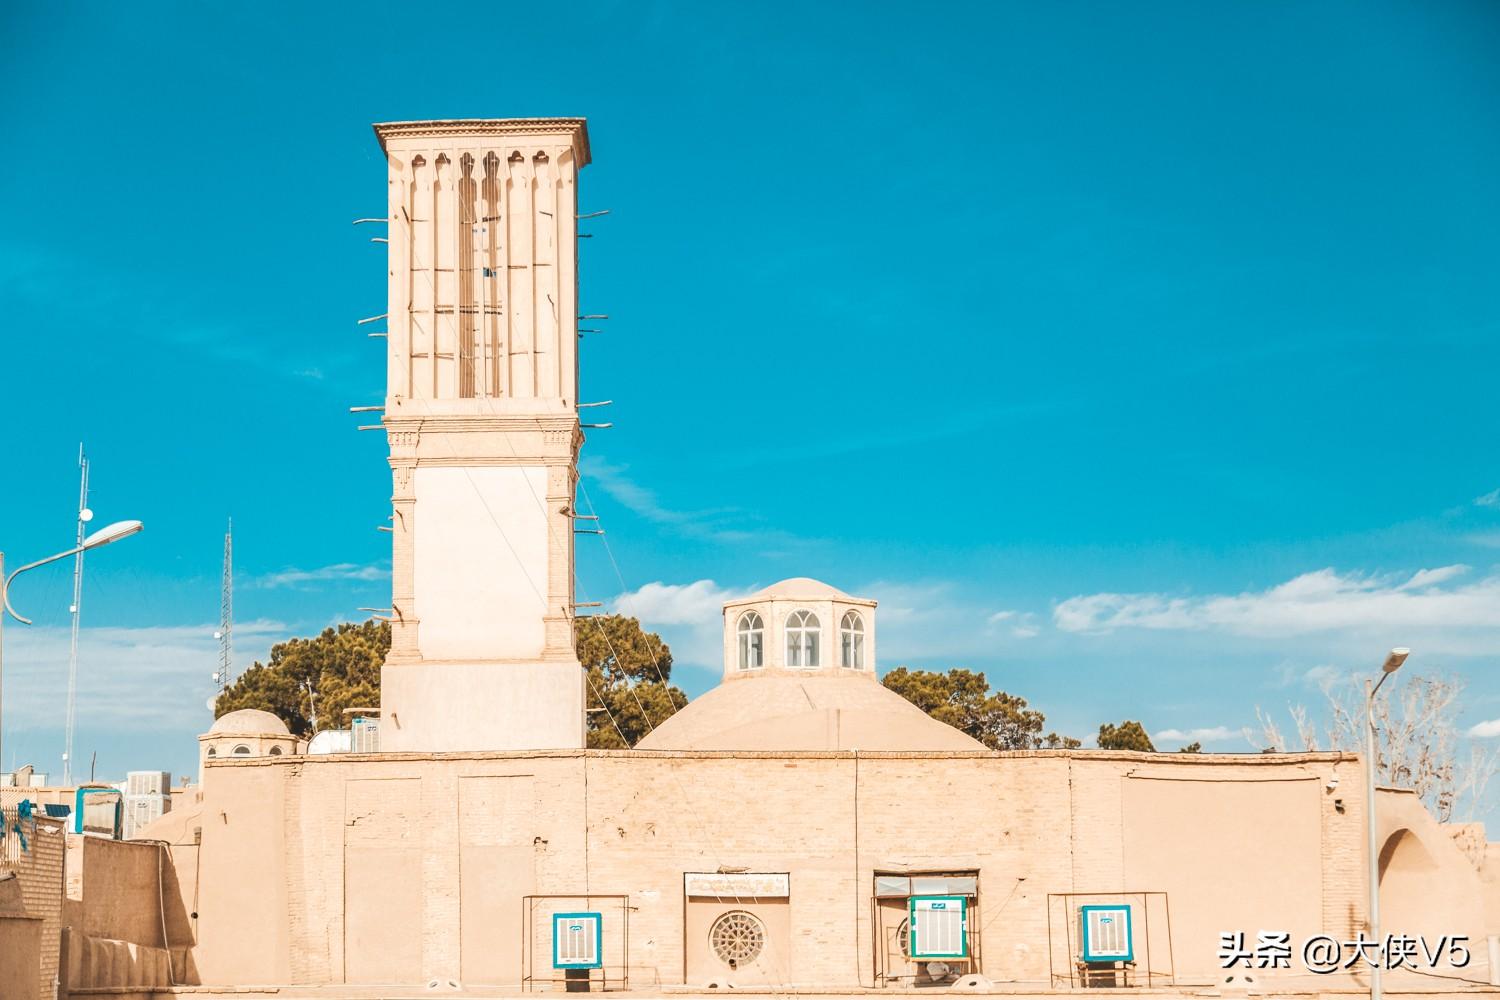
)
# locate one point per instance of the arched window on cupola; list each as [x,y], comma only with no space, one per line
[852,641]
[802,630]
[752,641]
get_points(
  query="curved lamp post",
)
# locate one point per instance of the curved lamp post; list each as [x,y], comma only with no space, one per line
[105,535]
[1392,663]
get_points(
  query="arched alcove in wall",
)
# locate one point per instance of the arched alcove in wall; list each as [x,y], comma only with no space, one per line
[1408,903]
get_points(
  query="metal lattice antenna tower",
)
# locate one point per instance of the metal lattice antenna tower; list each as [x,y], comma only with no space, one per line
[84,516]
[225,635]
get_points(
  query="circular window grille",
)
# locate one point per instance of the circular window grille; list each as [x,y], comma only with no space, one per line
[737,938]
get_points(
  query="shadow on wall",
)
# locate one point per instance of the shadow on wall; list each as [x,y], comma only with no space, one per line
[126,922]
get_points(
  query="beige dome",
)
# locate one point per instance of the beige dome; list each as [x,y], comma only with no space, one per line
[793,710]
[797,588]
[249,722]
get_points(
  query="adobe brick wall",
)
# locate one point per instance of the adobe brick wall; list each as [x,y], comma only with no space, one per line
[40,872]
[436,843]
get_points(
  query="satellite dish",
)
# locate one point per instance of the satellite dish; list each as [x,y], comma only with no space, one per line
[218,635]
[212,702]
[85,515]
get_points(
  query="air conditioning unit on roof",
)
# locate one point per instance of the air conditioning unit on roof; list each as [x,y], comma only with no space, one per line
[1106,933]
[938,927]
[577,940]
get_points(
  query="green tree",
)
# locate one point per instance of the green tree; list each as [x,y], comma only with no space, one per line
[963,700]
[1128,735]
[335,670]
[629,672]
[628,669]
[1193,747]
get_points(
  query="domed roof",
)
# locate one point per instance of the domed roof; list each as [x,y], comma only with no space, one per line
[790,710]
[798,588]
[248,722]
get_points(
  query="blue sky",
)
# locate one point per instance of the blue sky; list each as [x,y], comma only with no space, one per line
[1139,355]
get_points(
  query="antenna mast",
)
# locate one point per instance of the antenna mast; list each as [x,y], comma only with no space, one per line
[226,616]
[84,517]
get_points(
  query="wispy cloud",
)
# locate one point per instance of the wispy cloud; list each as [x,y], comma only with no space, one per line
[676,603]
[1485,730]
[1019,624]
[720,524]
[338,572]
[1321,601]
[689,616]
[151,680]
[1324,676]
[936,624]
[1490,499]
[1209,734]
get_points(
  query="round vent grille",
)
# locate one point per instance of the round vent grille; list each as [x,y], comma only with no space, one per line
[737,938]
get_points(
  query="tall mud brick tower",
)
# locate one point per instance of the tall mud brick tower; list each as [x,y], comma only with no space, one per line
[481,414]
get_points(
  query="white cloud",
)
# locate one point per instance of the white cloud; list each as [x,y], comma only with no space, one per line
[1490,499]
[1324,676]
[689,616]
[676,603]
[1320,601]
[1485,730]
[1019,624]
[293,577]
[153,679]
[720,524]
[1424,578]
[1211,734]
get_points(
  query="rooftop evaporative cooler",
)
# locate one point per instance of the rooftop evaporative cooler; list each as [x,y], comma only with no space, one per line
[577,941]
[1106,933]
[938,927]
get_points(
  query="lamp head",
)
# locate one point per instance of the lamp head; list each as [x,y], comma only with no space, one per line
[1395,658]
[112,533]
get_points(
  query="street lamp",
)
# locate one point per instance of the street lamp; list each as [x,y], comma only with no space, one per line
[1392,663]
[104,536]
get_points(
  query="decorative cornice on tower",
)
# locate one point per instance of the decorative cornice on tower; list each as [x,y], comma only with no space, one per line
[575,128]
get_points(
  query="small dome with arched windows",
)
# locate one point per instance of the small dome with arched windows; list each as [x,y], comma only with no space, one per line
[809,650]
[246,732]
[798,624]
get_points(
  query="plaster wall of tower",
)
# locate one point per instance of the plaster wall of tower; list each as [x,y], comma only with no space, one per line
[481,418]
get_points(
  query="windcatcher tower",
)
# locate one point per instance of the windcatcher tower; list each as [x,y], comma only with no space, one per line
[482,421]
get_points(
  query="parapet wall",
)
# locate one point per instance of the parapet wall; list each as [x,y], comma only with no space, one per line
[406,868]
[38,866]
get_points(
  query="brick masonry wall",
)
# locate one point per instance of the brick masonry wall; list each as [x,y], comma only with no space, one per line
[633,822]
[40,871]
